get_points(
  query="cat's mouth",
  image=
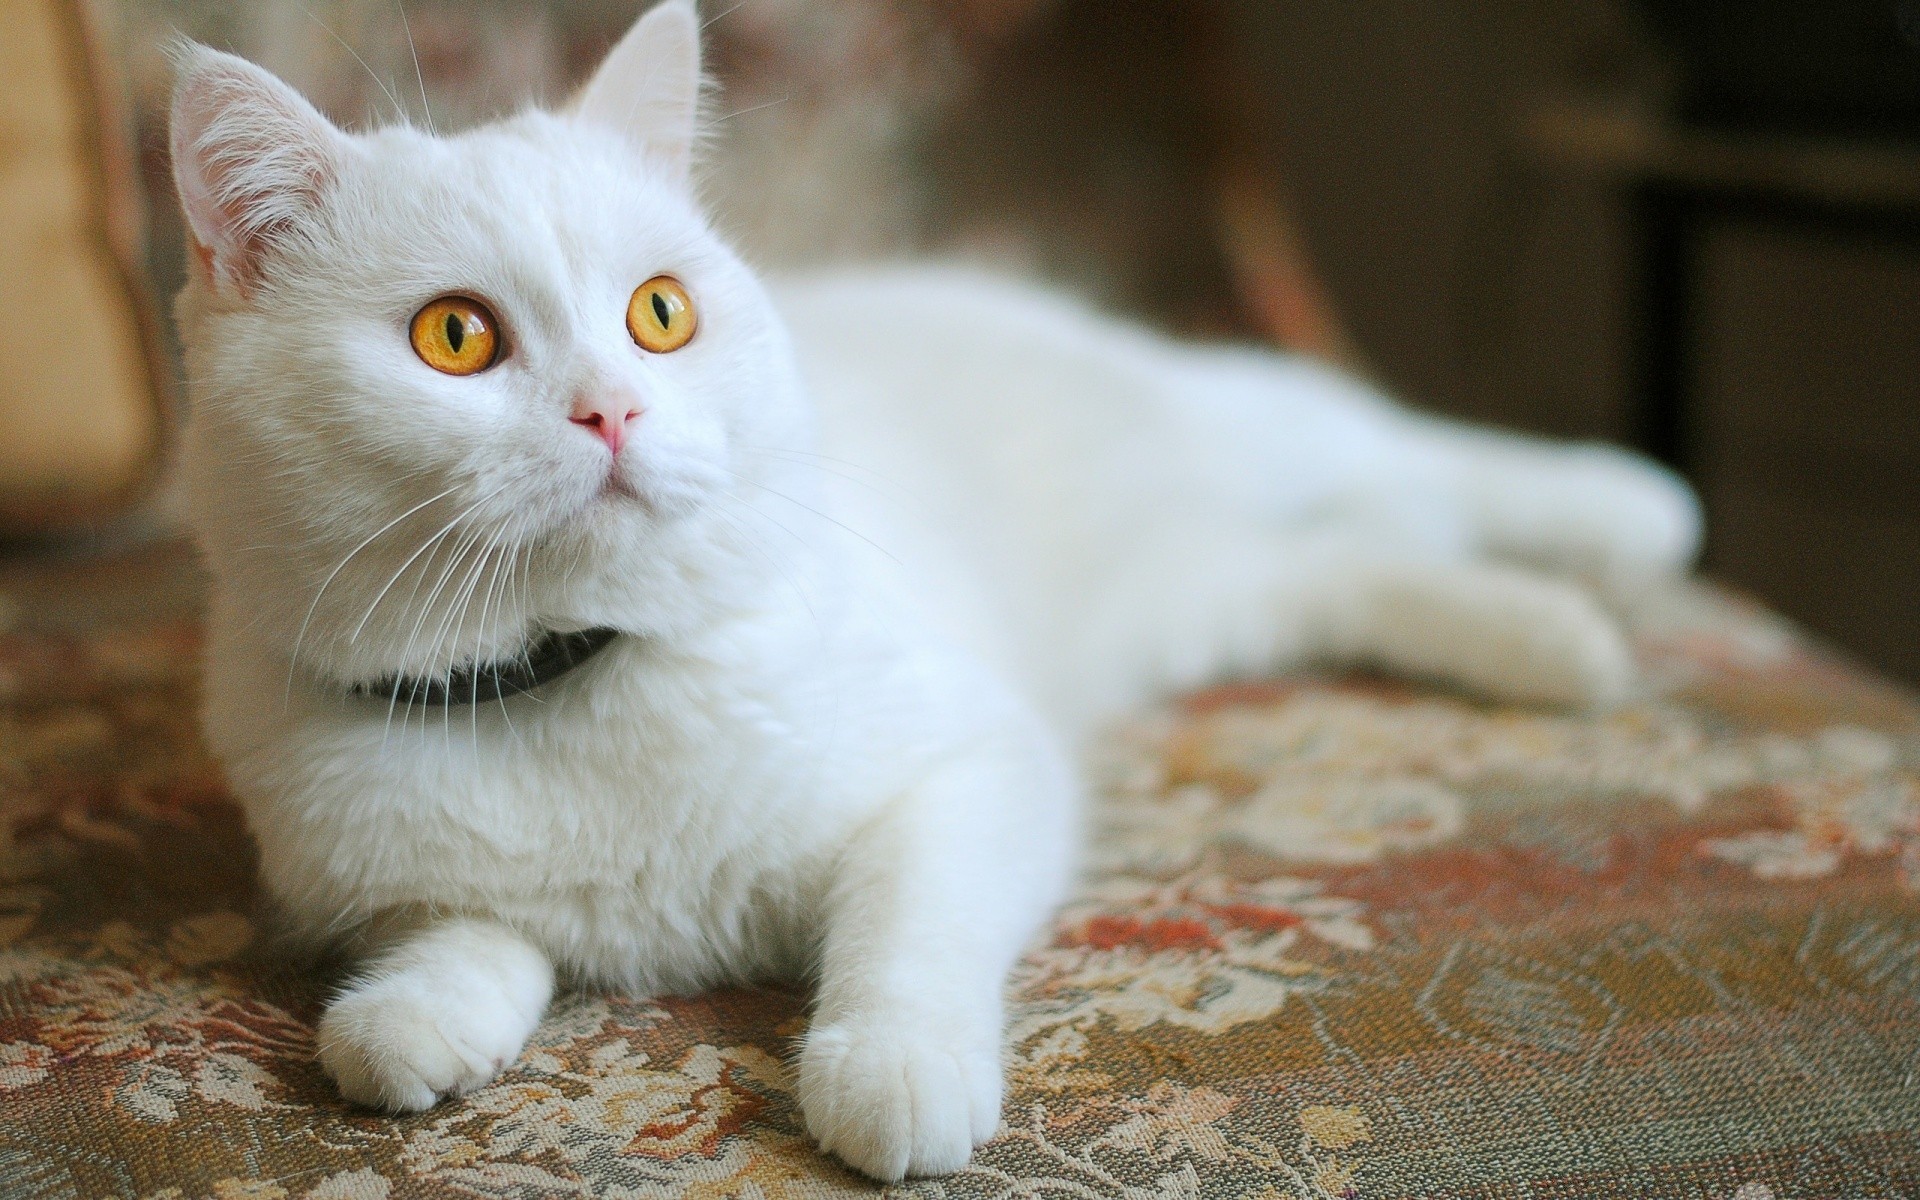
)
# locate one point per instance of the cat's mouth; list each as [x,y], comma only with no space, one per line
[620,489]
[660,495]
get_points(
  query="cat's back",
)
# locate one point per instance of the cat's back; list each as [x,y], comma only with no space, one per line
[1002,449]
[961,382]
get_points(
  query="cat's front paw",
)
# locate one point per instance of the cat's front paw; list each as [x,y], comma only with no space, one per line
[893,1101]
[400,1042]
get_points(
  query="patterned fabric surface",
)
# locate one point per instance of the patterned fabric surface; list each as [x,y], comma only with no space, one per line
[1341,938]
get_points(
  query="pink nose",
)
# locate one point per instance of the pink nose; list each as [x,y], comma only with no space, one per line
[607,418]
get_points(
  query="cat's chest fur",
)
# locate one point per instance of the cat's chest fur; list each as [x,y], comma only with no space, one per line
[654,821]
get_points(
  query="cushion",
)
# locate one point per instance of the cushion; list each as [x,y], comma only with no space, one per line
[1339,937]
[79,359]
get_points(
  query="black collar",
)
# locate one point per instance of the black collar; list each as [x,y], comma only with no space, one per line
[546,658]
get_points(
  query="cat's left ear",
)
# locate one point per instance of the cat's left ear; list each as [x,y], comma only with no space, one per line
[649,86]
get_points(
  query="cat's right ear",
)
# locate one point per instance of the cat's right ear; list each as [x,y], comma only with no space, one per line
[250,158]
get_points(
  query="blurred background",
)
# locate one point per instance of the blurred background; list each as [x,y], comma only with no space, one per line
[1687,225]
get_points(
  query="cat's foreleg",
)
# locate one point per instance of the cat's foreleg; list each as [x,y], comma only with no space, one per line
[439,1009]
[900,1073]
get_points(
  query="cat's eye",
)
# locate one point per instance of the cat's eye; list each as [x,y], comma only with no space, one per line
[660,316]
[456,335]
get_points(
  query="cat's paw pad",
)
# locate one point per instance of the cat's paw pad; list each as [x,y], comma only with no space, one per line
[400,1043]
[893,1102]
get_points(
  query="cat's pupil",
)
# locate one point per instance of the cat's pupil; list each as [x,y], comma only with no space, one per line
[661,311]
[456,331]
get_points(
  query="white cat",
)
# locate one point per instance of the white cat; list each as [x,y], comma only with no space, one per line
[468,412]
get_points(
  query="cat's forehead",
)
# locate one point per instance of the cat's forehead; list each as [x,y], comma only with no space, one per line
[538,184]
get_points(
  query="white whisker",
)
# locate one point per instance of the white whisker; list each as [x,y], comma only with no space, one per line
[463,545]
[816,512]
[425,108]
[293,658]
[398,109]
[357,629]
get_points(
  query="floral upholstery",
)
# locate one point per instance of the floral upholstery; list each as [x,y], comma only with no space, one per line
[1339,937]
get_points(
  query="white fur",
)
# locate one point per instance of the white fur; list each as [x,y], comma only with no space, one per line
[863,632]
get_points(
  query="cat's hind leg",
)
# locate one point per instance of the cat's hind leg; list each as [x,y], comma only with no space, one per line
[1587,509]
[439,1011]
[1225,599]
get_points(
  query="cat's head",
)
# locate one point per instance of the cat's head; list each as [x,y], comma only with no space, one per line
[447,389]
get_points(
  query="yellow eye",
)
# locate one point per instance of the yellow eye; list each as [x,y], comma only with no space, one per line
[660,315]
[456,335]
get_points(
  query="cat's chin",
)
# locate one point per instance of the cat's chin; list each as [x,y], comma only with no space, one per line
[617,490]
[621,504]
